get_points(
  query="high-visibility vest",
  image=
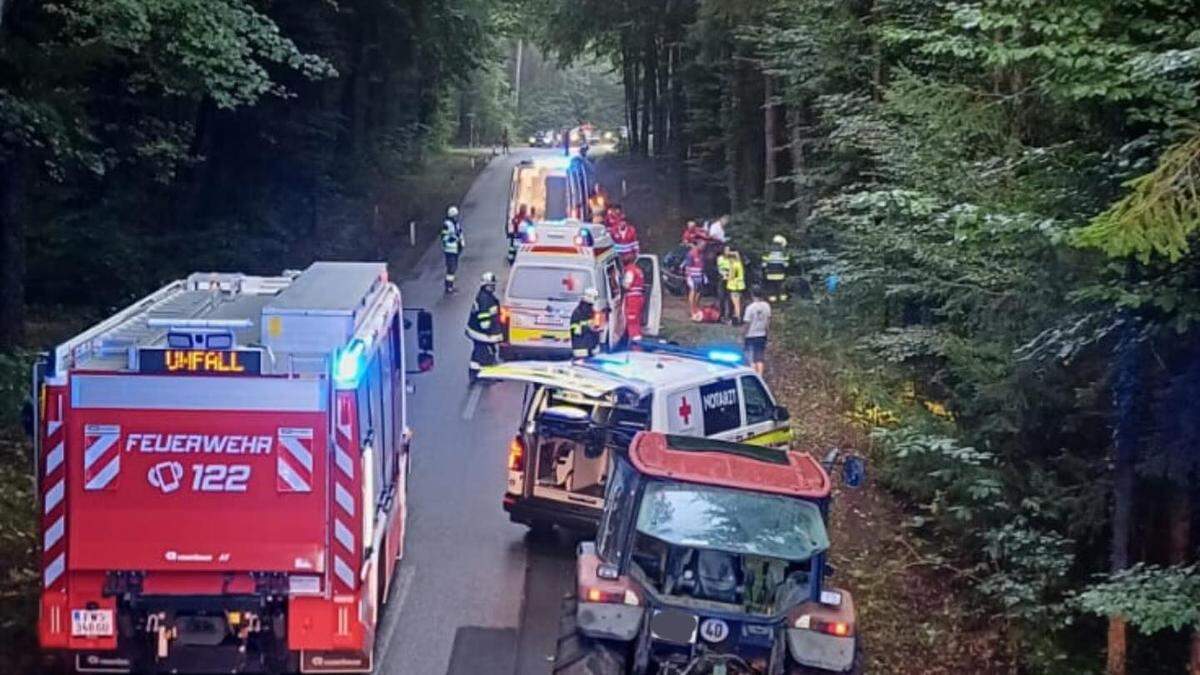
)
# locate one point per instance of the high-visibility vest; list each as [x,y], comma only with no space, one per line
[723,266]
[737,276]
[451,237]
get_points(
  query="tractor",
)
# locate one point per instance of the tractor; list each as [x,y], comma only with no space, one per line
[710,559]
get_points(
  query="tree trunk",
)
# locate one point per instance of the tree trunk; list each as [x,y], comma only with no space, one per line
[799,169]
[1116,646]
[650,100]
[770,168]
[12,252]
[1194,658]
[1180,526]
[679,137]
[729,106]
[1127,431]
[632,91]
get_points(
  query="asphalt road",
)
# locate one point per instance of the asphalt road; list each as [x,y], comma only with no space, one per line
[475,594]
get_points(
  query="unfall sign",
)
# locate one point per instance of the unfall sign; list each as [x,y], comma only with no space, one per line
[199,361]
[720,408]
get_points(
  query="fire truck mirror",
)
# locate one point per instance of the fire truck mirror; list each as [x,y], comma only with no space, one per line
[425,332]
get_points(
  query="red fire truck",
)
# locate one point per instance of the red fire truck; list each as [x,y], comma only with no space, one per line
[222,471]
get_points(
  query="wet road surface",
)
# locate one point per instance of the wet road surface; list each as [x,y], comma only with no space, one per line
[474,594]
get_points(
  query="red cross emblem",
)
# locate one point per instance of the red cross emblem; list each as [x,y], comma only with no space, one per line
[685,411]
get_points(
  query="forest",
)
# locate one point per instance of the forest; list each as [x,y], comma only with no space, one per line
[1007,193]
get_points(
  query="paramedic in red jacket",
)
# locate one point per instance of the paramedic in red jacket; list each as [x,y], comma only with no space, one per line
[613,215]
[625,239]
[634,283]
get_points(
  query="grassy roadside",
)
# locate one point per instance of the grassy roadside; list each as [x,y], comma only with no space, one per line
[444,179]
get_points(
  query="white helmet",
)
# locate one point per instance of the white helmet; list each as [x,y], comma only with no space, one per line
[591,295]
[779,241]
[488,279]
[452,212]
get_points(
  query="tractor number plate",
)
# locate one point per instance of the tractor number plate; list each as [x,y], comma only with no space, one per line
[672,625]
[91,622]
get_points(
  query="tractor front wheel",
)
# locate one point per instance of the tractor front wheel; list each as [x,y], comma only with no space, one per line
[577,654]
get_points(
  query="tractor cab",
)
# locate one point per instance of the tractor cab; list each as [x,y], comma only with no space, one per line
[710,557]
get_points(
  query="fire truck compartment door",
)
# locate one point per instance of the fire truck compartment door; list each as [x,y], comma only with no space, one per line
[197,473]
[583,378]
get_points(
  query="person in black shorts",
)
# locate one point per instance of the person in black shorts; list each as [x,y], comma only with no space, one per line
[757,319]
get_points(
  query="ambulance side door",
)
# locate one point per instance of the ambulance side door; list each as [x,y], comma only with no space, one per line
[762,424]
[651,270]
[712,410]
[614,313]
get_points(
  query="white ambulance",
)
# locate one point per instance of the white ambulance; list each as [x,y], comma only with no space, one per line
[574,413]
[553,268]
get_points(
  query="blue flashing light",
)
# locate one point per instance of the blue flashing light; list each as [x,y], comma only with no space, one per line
[725,356]
[350,364]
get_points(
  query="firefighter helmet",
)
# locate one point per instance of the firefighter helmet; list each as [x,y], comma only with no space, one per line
[452,212]
[488,279]
[779,241]
[591,295]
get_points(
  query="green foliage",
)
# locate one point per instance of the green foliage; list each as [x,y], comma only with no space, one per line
[1159,215]
[190,48]
[1149,597]
[584,91]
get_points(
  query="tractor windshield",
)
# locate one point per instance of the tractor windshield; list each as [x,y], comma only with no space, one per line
[734,521]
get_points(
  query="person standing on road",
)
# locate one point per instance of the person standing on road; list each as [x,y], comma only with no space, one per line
[736,283]
[585,333]
[483,326]
[758,319]
[693,269]
[774,270]
[514,230]
[633,281]
[453,243]
[504,141]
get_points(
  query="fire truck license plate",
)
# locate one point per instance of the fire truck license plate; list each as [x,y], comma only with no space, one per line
[91,622]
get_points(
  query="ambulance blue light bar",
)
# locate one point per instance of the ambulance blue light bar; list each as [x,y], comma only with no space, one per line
[725,356]
[350,364]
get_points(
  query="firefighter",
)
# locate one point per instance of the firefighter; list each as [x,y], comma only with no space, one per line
[625,239]
[774,271]
[483,326]
[453,243]
[634,283]
[585,333]
[724,261]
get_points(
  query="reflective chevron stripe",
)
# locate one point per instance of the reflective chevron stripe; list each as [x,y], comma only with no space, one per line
[294,462]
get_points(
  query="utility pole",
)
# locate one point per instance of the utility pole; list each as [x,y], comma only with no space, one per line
[516,78]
